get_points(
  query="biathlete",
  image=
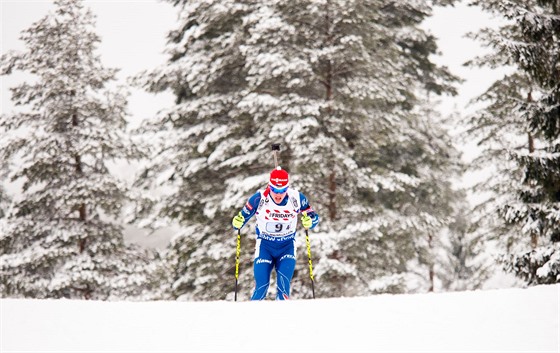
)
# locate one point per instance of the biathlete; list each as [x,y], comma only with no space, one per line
[276,210]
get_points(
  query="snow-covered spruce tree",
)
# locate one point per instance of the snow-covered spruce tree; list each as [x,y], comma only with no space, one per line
[354,72]
[432,209]
[202,151]
[463,264]
[336,83]
[59,239]
[520,131]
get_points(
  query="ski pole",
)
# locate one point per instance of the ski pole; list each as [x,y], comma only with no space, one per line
[310,262]
[237,252]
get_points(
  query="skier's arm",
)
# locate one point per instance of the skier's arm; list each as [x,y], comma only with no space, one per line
[251,206]
[248,210]
[306,207]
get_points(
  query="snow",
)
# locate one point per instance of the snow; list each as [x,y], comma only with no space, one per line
[505,320]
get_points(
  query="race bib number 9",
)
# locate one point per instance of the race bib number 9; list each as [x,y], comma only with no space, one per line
[276,227]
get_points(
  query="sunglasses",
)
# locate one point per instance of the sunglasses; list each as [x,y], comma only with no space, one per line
[278,190]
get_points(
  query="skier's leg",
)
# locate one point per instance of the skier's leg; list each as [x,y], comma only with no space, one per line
[262,267]
[285,271]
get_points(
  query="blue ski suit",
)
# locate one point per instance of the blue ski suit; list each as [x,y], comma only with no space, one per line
[276,232]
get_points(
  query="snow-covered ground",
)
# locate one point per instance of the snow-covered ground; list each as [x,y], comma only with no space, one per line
[505,320]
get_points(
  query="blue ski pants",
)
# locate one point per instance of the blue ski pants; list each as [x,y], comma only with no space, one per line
[269,255]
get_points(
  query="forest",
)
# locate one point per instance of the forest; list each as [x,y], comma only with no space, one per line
[345,87]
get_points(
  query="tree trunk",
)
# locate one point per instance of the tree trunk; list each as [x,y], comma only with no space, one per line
[82,211]
[431,263]
[332,196]
[531,145]
[328,82]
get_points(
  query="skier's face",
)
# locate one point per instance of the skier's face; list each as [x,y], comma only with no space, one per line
[278,197]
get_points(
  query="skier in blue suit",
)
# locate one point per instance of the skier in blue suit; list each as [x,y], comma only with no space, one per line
[276,209]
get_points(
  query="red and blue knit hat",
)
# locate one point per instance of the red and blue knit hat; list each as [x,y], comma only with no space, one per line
[279,181]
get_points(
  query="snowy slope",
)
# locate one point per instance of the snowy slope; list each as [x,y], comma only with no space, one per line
[506,320]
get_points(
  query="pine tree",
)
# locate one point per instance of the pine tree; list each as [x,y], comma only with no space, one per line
[464,264]
[200,146]
[61,239]
[364,144]
[334,82]
[520,130]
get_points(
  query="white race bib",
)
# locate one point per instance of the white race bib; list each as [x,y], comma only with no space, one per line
[278,221]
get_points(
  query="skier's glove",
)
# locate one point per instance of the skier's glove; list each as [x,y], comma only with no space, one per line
[238,221]
[306,221]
